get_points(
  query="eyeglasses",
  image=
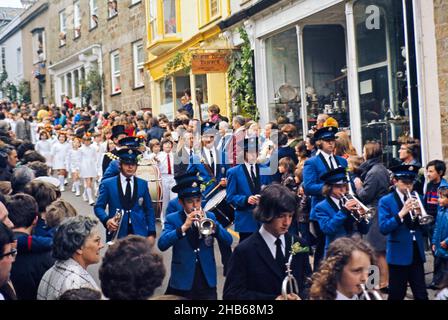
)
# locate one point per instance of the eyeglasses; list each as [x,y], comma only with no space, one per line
[12,253]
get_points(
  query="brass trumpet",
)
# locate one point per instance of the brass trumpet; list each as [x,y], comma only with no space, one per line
[118,217]
[289,284]
[206,226]
[368,212]
[370,294]
[424,218]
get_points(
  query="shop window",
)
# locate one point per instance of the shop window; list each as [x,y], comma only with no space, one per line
[201,91]
[283,78]
[208,11]
[139,71]
[112,8]
[166,94]
[93,6]
[62,28]
[76,82]
[77,19]
[115,72]
[325,64]
[69,84]
[170,16]
[382,71]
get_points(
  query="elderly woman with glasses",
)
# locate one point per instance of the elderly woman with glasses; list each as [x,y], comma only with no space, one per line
[76,245]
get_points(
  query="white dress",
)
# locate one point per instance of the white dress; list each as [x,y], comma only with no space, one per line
[59,155]
[88,162]
[44,148]
[74,160]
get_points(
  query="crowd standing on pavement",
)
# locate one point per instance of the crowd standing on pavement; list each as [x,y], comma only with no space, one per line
[315,210]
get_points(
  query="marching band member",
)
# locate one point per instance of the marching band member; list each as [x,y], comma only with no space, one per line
[405,252]
[130,195]
[343,271]
[193,266]
[118,133]
[59,152]
[257,267]
[334,213]
[313,169]
[243,189]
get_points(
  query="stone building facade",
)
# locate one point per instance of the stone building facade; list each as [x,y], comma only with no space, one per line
[90,35]
[441,25]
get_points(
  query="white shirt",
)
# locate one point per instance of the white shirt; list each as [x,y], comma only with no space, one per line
[340,296]
[2,297]
[327,158]
[163,162]
[270,241]
[248,166]
[335,200]
[124,183]
[207,155]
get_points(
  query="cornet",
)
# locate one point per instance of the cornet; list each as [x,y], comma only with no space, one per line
[370,294]
[289,284]
[118,217]
[206,226]
[360,206]
[424,218]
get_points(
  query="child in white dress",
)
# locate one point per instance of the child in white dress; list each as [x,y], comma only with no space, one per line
[59,152]
[88,170]
[74,164]
[43,146]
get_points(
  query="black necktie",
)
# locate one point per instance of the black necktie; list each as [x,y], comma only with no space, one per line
[279,257]
[128,194]
[190,159]
[331,162]
[252,174]
[212,162]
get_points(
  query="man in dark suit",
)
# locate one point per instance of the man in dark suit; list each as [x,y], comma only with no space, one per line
[257,266]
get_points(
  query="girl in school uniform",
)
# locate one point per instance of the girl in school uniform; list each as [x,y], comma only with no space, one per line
[88,169]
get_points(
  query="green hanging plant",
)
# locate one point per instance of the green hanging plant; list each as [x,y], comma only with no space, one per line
[24,91]
[241,79]
[91,88]
[180,60]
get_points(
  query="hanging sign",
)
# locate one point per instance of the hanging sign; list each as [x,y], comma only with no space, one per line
[209,63]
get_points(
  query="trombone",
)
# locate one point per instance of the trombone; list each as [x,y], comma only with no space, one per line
[118,217]
[424,218]
[206,226]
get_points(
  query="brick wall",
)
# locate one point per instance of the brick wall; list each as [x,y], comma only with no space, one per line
[116,33]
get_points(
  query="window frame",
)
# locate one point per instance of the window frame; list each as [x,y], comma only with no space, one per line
[93,10]
[35,40]
[62,28]
[76,19]
[114,73]
[159,21]
[137,66]
[109,15]
[204,12]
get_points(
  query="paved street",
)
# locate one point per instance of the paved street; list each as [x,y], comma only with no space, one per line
[84,209]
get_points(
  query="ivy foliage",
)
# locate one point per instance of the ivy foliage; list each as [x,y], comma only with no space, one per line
[24,90]
[91,87]
[241,79]
[180,60]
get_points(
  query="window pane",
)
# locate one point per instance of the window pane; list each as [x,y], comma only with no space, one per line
[283,77]
[166,107]
[202,94]
[116,63]
[153,18]
[76,81]
[325,77]
[69,85]
[169,16]
[112,8]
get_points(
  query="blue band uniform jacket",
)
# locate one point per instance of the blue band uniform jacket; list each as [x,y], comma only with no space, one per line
[188,249]
[139,211]
[400,234]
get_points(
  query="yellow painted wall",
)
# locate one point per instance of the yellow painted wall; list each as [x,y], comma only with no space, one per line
[193,31]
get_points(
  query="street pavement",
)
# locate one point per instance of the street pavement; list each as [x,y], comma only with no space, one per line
[84,208]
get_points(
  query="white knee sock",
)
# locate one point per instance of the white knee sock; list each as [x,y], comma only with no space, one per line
[89,195]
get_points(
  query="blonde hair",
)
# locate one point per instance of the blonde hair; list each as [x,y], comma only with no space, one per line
[57,211]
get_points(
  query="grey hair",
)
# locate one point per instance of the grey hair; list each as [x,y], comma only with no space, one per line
[71,235]
[223,125]
[20,177]
[240,120]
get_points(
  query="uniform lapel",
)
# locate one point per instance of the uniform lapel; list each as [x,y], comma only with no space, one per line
[266,255]
[322,158]
[248,178]
[120,191]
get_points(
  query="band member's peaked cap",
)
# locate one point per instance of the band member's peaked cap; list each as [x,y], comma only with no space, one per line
[128,155]
[335,176]
[405,171]
[187,185]
[326,133]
